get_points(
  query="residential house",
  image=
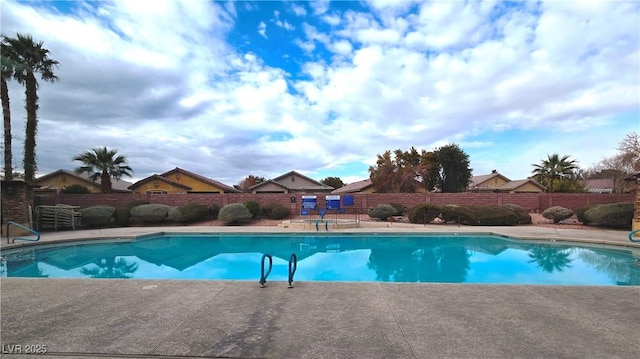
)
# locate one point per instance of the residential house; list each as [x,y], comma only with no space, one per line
[53,182]
[179,180]
[364,186]
[600,185]
[496,182]
[291,182]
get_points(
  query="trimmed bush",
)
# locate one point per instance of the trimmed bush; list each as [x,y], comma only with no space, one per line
[557,213]
[97,216]
[493,216]
[276,211]
[214,209]
[382,212]
[193,212]
[121,216]
[424,213]
[150,213]
[400,209]
[135,203]
[523,216]
[234,213]
[618,215]
[75,189]
[175,215]
[581,211]
[253,207]
[458,214]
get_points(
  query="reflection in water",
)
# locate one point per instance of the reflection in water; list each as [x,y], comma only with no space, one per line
[110,267]
[391,258]
[550,259]
[448,264]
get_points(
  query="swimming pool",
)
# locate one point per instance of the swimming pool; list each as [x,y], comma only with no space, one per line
[331,257]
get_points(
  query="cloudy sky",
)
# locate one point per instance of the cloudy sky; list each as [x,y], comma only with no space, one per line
[228,89]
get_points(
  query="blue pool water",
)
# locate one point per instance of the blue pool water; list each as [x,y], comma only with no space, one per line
[370,257]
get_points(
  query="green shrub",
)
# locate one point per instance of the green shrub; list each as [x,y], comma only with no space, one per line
[581,211]
[557,213]
[253,207]
[493,216]
[194,211]
[97,216]
[135,203]
[121,216]
[523,216]
[400,209]
[175,215]
[276,211]
[381,211]
[424,213]
[150,213]
[75,189]
[234,213]
[457,214]
[618,215]
[214,209]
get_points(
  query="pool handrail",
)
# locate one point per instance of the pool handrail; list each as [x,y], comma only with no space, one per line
[632,233]
[12,223]
[263,275]
[293,266]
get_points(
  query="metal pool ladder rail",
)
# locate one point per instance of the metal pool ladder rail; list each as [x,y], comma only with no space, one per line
[263,275]
[632,233]
[293,266]
[9,240]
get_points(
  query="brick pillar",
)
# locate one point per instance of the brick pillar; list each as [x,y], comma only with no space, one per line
[17,198]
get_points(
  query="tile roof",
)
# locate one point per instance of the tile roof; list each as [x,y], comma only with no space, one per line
[201,178]
[354,186]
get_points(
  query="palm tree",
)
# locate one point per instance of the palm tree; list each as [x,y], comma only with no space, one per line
[555,170]
[7,72]
[104,164]
[110,267]
[31,59]
[550,259]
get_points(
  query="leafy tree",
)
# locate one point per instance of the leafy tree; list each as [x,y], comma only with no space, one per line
[104,164]
[558,174]
[407,171]
[334,182]
[454,173]
[249,182]
[619,166]
[31,58]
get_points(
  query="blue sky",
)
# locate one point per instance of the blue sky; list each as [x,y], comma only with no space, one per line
[228,89]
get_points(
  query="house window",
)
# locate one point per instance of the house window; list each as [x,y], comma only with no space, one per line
[157,191]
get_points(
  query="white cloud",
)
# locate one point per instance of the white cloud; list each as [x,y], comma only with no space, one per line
[298,10]
[262,29]
[319,7]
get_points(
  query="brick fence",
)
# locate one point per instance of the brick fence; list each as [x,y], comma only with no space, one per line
[533,202]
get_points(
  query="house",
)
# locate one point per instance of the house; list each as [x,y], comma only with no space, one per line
[291,182]
[364,186]
[55,181]
[179,180]
[495,182]
[600,185]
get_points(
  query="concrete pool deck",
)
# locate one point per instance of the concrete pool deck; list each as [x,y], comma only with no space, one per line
[88,318]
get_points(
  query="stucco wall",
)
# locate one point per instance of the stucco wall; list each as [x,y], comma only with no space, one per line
[195,184]
[61,181]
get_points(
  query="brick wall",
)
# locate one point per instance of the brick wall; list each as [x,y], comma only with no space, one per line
[530,201]
[16,198]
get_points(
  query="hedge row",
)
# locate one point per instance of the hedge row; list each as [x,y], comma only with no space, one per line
[506,215]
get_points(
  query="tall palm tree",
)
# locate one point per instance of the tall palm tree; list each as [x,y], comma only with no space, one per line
[7,72]
[554,170]
[31,59]
[105,164]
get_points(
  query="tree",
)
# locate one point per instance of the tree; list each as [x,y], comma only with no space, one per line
[407,171]
[618,167]
[7,73]
[31,58]
[334,182]
[104,164]
[454,173]
[558,174]
[249,182]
